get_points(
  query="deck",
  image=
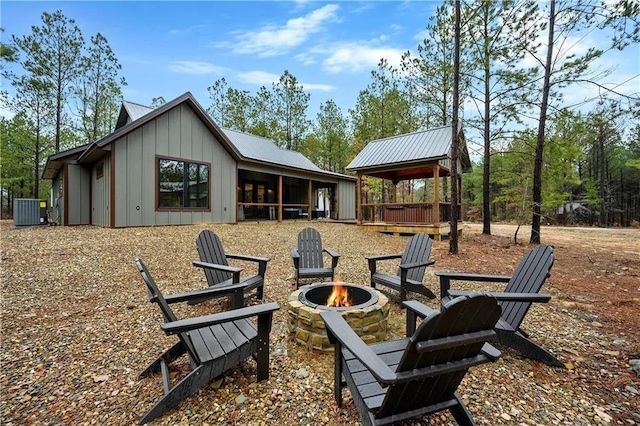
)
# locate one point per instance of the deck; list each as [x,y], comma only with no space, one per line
[437,231]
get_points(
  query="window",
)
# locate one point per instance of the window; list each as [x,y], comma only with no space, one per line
[182,184]
[100,170]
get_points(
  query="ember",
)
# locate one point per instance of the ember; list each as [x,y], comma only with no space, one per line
[339,297]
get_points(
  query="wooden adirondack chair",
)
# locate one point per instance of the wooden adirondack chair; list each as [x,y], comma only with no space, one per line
[522,290]
[213,260]
[408,378]
[213,343]
[308,259]
[413,263]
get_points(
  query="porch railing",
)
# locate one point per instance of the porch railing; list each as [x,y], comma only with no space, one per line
[413,213]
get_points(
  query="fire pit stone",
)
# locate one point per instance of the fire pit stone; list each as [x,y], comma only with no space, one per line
[369,320]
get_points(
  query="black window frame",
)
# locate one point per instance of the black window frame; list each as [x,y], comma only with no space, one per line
[186,166]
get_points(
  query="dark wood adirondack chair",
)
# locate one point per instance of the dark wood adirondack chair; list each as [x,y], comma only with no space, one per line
[408,378]
[522,290]
[213,260]
[413,263]
[308,259]
[213,343]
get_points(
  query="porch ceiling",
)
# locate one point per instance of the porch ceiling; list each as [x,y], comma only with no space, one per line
[420,171]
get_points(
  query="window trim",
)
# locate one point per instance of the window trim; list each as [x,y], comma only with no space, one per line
[157,185]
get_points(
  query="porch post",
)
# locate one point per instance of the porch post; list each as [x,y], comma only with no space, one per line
[279,198]
[309,191]
[359,199]
[436,194]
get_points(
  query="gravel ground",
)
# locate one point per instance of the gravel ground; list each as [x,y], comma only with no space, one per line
[77,327]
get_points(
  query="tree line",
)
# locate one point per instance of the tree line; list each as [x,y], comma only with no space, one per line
[537,159]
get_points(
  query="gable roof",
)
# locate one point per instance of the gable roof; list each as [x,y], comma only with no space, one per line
[132,111]
[241,146]
[427,146]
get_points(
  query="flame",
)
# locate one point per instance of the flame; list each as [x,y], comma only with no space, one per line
[339,297]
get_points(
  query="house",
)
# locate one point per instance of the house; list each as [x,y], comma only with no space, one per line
[423,155]
[173,165]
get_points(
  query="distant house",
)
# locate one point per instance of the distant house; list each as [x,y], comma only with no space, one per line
[173,165]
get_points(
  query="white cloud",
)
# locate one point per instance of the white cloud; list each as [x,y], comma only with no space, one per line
[196,67]
[274,40]
[262,78]
[259,78]
[359,56]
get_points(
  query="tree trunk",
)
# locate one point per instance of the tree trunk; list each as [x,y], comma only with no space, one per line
[453,235]
[486,193]
[537,166]
[603,179]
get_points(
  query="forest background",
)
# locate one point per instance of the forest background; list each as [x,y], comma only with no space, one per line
[535,158]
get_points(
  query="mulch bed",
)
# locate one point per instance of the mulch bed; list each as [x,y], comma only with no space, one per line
[77,327]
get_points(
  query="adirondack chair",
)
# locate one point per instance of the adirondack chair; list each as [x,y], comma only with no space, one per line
[213,260]
[413,263]
[522,290]
[214,344]
[308,259]
[408,378]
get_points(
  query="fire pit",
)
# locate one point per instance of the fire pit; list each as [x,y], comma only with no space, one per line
[365,309]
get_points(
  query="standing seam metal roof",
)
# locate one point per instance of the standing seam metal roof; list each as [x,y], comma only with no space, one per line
[136,111]
[263,149]
[410,147]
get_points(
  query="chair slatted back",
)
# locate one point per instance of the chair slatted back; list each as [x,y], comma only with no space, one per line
[310,249]
[210,250]
[155,296]
[472,316]
[528,277]
[417,249]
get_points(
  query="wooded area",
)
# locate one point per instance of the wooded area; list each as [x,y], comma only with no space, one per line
[538,160]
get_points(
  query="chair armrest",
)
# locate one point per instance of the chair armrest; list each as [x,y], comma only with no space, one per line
[384,257]
[247,258]
[491,352]
[417,264]
[224,268]
[340,332]
[295,256]
[180,326]
[330,252]
[231,269]
[507,297]
[415,310]
[446,277]
[373,259]
[203,294]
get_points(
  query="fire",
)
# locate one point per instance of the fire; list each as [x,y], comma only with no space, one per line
[339,297]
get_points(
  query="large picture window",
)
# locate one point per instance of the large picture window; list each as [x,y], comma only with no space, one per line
[182,184]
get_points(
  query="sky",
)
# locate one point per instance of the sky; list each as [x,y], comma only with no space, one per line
[168,48]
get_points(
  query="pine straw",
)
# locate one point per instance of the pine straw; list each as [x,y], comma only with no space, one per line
[77,327]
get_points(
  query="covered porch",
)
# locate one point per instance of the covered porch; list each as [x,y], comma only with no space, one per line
[403,183]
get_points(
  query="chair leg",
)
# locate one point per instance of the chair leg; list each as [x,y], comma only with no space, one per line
[460,413]
[526,347]
[199,377]
[174,352]
[260,292]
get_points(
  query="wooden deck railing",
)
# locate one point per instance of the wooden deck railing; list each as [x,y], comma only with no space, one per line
[422,213]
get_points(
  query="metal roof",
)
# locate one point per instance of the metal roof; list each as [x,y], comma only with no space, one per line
[131,110]
[425,145]
[262,149]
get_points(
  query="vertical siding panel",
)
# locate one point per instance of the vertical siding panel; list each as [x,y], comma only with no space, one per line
[187,122]
[148,166]
[174,132]
[120,176]
[134,181]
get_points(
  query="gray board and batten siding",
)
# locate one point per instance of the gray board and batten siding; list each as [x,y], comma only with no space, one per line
[177,134]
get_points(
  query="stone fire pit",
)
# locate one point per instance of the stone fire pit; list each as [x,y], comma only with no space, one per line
[367,316]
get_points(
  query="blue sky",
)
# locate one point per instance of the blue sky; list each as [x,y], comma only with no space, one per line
[168,48]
